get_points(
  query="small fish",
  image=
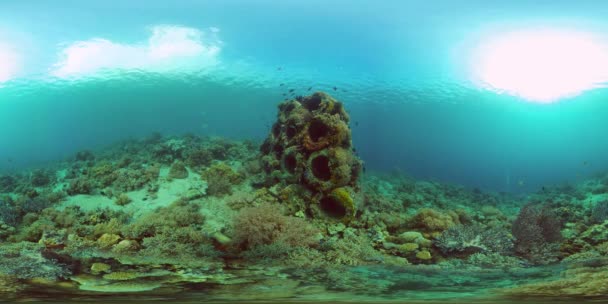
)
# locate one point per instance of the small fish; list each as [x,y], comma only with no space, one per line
[10,160]
[585,163]
[279,68]
[291,90]
[284,94]
[335,89]
[282,84]
[343,90]
[356,123]
[309,88]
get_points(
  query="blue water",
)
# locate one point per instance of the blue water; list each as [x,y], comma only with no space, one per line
[399,66]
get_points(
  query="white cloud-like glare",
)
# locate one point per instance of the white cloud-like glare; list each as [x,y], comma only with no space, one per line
[170,48]
[10,62]
[542,65]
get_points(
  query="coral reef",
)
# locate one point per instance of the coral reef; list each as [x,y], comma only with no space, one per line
[183,213]
[537,232]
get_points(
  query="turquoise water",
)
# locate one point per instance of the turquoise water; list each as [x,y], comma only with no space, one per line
[80,76]
[400,66]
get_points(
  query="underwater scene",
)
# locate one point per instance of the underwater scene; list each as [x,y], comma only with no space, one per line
[299,151]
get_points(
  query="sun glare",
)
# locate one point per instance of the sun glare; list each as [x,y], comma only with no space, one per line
[9,62]
[541,65]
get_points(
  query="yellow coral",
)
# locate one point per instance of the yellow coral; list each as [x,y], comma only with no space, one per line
[408,247]
[100,267]
[107,240]
[121,276]
[343,197]
[424,255]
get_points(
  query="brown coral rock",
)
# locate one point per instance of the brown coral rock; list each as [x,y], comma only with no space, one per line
[310,146]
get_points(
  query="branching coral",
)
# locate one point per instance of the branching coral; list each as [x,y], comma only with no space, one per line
[599,213]
[8,213]
[469,239]
[265,225]
[8,183]
[537,232]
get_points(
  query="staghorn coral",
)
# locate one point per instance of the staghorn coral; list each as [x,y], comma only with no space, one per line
[265,225]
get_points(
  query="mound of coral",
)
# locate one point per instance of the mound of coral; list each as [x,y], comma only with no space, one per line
[309,152]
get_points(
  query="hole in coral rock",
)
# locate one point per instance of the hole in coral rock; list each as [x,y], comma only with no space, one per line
[312,103]
[276,130]
[265,148]
[320,167]
[291,132]
[289,108]
[278,150]
[317,129]
[333,208]
[290,163]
